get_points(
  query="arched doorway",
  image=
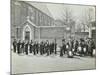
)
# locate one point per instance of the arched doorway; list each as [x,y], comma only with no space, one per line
[27,33]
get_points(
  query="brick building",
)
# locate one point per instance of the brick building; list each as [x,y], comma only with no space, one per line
[28,22]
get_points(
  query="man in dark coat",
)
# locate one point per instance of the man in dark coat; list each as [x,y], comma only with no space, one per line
[52,47]
[72,44]
[85,50]
[23,46]
[47,47]
[19,47]
[63,47]
[26,47]
[37,47]
[92,46]
[76,46]
[67,47]
[82,47]
[41,48]
[55,47]
[30,45]
[34,48]
[14,45]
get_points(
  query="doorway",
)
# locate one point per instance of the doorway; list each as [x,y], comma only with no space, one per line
[27,35]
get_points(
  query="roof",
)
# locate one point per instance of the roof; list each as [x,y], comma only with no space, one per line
[41,6]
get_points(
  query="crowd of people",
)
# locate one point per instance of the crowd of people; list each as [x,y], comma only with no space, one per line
[44,47]
[70,48]
[79,47]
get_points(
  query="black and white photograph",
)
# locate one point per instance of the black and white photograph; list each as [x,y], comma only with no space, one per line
[52,37]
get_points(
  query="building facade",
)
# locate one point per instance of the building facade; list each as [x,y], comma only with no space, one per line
[30,23]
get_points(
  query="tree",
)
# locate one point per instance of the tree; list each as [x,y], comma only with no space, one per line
[87,19]
[67,16]
[68,20]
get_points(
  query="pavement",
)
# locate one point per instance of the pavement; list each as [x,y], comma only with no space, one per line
[37,63]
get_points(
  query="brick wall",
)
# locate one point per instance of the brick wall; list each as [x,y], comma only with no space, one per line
[50,33]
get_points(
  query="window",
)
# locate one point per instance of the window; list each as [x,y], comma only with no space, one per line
[17,32]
